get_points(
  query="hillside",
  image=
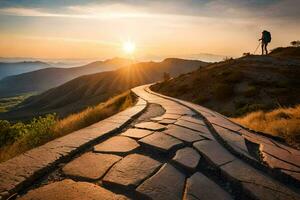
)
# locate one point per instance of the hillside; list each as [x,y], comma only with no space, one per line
[43,79]
[239,86]
[87,90]
[9,69]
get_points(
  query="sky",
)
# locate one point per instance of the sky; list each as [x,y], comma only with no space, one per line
[83,29]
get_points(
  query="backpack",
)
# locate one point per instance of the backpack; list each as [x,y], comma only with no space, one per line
[267,36]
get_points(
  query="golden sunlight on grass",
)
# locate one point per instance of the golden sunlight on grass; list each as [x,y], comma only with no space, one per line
[45,129]
[282,122]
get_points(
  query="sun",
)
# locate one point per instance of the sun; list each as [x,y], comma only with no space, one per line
[129,47]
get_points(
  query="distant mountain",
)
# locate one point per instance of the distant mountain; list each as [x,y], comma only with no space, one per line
[8,69]
[88,90]
[43,79]
[238,86]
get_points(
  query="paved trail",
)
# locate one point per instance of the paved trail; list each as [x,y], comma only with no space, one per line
[173,150]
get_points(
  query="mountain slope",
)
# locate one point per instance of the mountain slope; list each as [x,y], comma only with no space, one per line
[239,86]
[44,79]
[89,90]
[9,69]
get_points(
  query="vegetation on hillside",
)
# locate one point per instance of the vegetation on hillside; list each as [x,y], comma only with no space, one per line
[237,87]
[20,137]
[7,103]
[281,122]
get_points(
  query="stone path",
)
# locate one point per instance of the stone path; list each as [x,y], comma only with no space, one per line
[174,150]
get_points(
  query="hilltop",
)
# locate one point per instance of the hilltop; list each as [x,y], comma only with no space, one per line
[88,90]
[238,86]
[43,79]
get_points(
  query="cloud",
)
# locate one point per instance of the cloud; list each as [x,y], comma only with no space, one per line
[286,9]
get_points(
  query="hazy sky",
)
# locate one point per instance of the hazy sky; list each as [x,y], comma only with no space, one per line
[97,29]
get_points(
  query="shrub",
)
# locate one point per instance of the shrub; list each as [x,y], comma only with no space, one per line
[201,99]
[222,91]
[250,91]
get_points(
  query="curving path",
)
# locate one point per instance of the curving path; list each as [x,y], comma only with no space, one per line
[173,150]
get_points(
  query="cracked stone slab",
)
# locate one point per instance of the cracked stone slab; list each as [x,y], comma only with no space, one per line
[234,139]
[150,126]
[184,134]
[294,174]
[187,158]
[259,185]
[192,119]
[214,152]
[131,171]
[167,121]
[283,166]
[279,153]
[166,184]
[199,186]
[171,116]
[161,142]
[136,133]
[68,189]
[255,138]
[177,111]
[90,166]
[221,121]
[117,144]
[193,126]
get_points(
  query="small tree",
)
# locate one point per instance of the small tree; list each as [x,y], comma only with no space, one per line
[295,43]
[166,76]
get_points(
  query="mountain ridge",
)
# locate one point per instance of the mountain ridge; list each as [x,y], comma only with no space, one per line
[88,90]
[43,79]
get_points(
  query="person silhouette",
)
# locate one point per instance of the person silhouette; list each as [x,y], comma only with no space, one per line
[265,40]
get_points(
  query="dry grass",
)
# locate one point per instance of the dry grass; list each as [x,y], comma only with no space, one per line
[282,122]
[94,114]
[49,128]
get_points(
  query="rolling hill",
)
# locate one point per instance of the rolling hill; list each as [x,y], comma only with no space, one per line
[43,79]
[88,90]
[239,86]
[9,69]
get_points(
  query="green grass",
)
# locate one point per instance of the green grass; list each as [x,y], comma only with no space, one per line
[7,103]
[20,137]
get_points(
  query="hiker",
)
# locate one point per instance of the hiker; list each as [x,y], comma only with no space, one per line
[265,40]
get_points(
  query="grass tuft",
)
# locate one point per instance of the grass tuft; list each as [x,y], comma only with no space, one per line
[281,122]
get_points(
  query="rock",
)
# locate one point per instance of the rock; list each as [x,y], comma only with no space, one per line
[221,121]
[170,116]
[199,186]
[91,166]
[258,184]
[151,126]
[68,189]
[214,152]
[131,171]
[187,157]
[233,139]
[193,126]
[166,184]
[183,134]
[161,141]
[117,144]
[136,133]
[192,119]
[167,121]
